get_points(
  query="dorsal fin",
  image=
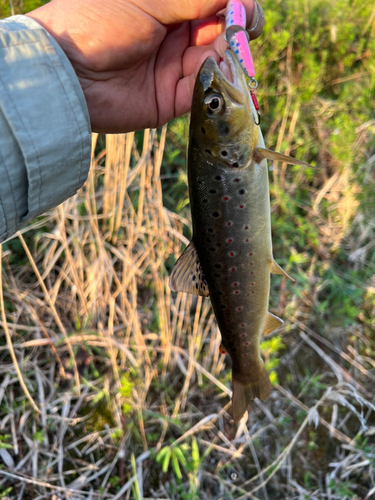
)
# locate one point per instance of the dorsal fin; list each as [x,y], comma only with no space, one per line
[276,269]
[187,275]
[272,323]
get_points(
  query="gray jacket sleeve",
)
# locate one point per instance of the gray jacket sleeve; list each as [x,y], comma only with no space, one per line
[45,138]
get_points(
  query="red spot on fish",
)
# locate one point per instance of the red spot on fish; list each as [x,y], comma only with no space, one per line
[225,198]
[252,284]
[233,269]
[251,272]
[246,227]
[241,206]
[247,241]
[246,343]
[239,308]
[232,254]
[244,355]
[243,335]
[235,284]
[251,254]
[252,292]
[243,324]
[251,263]
[230,240]
[229,223]
[236,292]
[247,364]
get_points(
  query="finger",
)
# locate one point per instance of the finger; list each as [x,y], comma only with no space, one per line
[204,31]
[249,7]
[182,10]
[220,45]
[192,56]
[185,87]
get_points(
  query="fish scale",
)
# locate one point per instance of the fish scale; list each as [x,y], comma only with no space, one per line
[230,255]
[233,255]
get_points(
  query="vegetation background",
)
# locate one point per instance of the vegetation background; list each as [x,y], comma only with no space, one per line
[113,387]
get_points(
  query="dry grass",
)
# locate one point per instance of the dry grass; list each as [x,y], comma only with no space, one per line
[102,366]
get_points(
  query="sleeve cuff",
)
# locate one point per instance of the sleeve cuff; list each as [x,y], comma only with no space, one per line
[45,109]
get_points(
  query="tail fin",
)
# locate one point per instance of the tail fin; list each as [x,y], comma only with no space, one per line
[243,394]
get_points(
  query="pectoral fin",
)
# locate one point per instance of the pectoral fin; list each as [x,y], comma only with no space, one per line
[276,269]
[272,323]
[262,153]
[187,274]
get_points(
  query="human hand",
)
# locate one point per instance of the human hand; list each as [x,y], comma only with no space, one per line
[136,60]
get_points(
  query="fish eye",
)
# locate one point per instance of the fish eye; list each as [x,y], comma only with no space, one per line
[214,103]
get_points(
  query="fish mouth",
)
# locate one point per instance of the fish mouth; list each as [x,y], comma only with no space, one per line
[228,76]
[228,68]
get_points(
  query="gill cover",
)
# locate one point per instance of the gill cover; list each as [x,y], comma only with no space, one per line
[221,126]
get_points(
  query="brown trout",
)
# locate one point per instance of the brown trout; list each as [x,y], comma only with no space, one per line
[230,254]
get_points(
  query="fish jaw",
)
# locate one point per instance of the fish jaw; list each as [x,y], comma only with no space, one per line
[228,135]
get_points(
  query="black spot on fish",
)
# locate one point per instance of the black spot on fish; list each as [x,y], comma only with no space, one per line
[208,240]
[218,244]
[223,128]
[215,214]
[236,179]
[235,164]
[204,200]
[224,153]
[212,191]
[212,249]
[208,151]
[218,266]
[219,293]
[196,286]
[218,177]
[222,306]
[241,191]
[210,230]
[203,130]
[217,275]
[199,181]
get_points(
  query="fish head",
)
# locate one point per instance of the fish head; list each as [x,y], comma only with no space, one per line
[222,125]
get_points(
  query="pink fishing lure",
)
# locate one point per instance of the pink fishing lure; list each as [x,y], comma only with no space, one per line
[238,40]
[235,14]
[236,36]
[240,46]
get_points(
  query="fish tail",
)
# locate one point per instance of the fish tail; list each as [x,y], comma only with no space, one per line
[243,393]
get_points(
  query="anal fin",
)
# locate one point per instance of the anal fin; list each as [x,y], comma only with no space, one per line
[272,323]
[263,153]
[276,269]
[187,275]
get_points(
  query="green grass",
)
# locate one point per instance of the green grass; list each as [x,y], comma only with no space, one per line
[132,389]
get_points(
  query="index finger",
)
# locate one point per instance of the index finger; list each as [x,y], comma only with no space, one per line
[179,11]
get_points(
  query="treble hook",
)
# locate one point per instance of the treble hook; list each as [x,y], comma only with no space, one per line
[253,84]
